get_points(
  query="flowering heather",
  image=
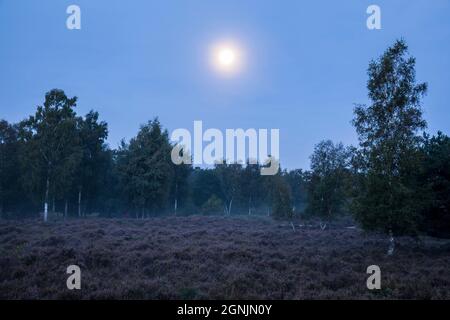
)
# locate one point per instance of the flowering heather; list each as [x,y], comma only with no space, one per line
[202,257]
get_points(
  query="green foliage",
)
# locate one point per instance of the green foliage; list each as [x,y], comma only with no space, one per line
[326,187]
[297,180]
[10,188]
[51,151]
[146,168]
[281,198]
[435,178]
[229,176]
[250,186]
[214,205]
[92,171]
[204,184]
[180,188]
[387,131]
[396,181]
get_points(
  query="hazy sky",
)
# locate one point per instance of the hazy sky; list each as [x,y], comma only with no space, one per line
[305,64]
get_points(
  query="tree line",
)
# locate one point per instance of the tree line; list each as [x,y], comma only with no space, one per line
[397,180]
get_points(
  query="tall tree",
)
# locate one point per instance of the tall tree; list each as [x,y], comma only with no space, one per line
[9,173]
[51,150]
[250,185]
[281,197]
[435,180]
[297,181]
[204,184]
[228,175]
[92,135]
[147,168]
[179,190]
[326,194]
[388,135]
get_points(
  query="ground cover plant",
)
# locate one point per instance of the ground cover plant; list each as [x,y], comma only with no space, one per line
[200,257]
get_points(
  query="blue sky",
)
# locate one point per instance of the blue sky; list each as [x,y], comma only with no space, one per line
[134,60]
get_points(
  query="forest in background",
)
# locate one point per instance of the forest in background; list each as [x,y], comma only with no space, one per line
[396,181]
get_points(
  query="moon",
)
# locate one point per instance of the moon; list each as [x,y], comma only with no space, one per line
[226,58]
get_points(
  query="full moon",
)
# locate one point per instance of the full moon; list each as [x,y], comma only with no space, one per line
[226,58]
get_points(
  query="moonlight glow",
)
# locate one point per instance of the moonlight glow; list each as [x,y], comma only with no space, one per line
[226,58]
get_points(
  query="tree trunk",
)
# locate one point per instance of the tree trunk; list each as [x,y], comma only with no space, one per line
[66,206]
[249,206]
[176,199]
[53,205]
[391,243]
[293,227]
[229,206]
[79,202]
[47,186]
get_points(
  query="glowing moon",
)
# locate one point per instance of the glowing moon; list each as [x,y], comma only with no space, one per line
[226,58]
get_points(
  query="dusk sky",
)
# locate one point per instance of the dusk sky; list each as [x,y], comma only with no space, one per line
[304,68]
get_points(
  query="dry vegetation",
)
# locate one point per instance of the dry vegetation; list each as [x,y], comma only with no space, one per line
[213,257]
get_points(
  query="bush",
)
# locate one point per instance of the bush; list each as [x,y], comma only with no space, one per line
[213,206]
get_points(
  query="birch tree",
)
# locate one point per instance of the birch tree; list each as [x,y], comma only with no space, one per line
[388,135]
[229,181]
[48,144]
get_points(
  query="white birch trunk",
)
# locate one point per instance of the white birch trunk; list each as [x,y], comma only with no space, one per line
[229,207]
[47,186]
[79,202]
[391,243]
[175,205]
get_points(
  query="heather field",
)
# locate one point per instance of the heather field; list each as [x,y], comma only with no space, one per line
[202,257]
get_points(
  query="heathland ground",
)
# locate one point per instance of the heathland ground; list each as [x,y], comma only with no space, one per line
[212,257]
